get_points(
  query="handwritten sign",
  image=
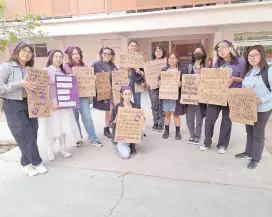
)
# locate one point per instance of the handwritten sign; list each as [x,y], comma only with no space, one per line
[169,88]
[213,88]
[85,80]
[129,125]
[119,78]
[243,106]
[152,71]
[103,86]
[38,99]
[132,60]
[189,90]
[67,91]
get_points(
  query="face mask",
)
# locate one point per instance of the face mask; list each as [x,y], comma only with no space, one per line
[198,56]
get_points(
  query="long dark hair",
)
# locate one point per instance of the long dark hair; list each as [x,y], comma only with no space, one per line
[70,60]
[203,60]
[263,63]
[233,55]
[160,48]
[15,55]
[176,55]
[50,60]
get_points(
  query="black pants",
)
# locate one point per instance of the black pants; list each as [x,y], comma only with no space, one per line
[24,130]
[225,129]
[256,136]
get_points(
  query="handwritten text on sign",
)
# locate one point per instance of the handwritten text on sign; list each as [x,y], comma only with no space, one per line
[85,80]
[103,86]
[119,78]
[190,84]
[152,71]
[169,88]
[129,125]
[243,106]
[213,86]
[132,60]
[38,99]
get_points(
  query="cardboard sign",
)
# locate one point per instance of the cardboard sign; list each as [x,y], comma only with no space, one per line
[152,71]
[67,92]
[169,88]
[129,125]
[243,106]
[103,86]
[133,60]
[189,91]
[38,99]
[119,78]
[85,81]
[213,88]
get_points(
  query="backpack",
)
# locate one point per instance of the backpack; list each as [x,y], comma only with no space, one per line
[264,75]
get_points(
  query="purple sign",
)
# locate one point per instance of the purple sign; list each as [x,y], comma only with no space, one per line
[67,91]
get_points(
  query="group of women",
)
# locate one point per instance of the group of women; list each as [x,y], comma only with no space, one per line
[249,72]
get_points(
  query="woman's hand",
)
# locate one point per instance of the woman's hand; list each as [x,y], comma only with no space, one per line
[139,72]
[231,80]
[55,106]
[258,101]
[159,83]
[180,83]
[27,85]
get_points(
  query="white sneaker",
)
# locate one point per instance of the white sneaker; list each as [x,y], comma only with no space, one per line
[222,150]
[51,155]
[41,169]
[204,148]
[29,170]
[65,154]
[97,144]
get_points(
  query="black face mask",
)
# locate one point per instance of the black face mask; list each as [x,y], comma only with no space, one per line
[198,56]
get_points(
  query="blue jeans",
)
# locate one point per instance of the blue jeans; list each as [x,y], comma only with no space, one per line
[136,96]
[86,119]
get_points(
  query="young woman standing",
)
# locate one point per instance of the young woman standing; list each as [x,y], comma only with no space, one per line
[75,57]
[172,107]
[136,76]
[158,115]
[105,64]
[13,89]
[227,58]
[258,76]
[196,113]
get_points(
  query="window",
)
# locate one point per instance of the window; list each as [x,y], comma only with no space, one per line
[40,50]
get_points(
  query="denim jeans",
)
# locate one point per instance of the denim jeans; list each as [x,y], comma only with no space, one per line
[86,118]
[136,96]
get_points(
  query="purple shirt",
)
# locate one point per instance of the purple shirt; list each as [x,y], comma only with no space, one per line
[236,70]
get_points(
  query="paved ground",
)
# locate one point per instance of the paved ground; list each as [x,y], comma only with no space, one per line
[167,179]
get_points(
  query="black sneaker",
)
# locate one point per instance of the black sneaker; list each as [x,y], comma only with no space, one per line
[243,156]
[196,141]
[253,164]
[79,144]
[107,132]
[165,134]
[160,128]
[155,127]
[132,149]
[191,140]
[178,136]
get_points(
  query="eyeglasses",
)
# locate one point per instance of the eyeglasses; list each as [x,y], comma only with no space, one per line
[253,56]
[27,52]
[222,48]
[107,54]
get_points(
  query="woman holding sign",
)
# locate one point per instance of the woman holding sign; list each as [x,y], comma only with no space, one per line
[169,106]
[258,76]
[105,64]
[75,57]
[62,121]
[13,89]
[227,58]
[136,76]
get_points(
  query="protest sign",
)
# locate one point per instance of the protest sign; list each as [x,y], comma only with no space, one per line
[67,92]
[243,106]
[103,86]
[152,71]
[85,80]
[132,60]
[129,125]
[213,88]
[38,99]
[119,78]
[189,90]
[169,88]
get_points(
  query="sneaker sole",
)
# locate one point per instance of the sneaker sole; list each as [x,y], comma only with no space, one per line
[244,158]
[99,146]
[190,142]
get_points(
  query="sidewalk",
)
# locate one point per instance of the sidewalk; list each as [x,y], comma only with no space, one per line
[167,178]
